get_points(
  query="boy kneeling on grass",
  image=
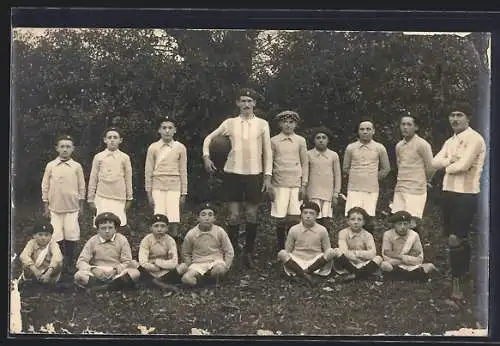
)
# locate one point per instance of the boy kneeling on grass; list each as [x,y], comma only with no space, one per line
[106,259]
[402,251]
[356,257]
[207,251]
[158,255]
[41,258]
[307,248]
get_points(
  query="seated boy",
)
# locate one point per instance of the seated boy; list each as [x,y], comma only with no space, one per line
[207,251]
[106,259]
[356,257]
[41,257]
[402,251]
[307,248]
[158,255]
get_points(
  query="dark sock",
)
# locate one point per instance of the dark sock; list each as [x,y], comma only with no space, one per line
[364,272]
[466,257]
[417,275]
[233,233]
[280,235]
[293,266]
[318,264]
[70,255]
[93,281]
[250,235]
[343,262]
[457,256]
[172,277]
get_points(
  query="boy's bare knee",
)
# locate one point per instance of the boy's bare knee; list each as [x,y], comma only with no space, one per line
[134,274]
[218,270]
[189,279]
[386,266]
[378,260]
[81,278]
[337,252]
[329,254]
[182,268]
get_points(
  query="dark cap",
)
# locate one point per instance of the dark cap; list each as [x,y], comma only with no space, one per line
[310,205]
[43,226]
[64,138]
[248,92]
[103,217]
[166,118]
[207,205]
[105,133]
[288,115]
[400,216]
[159,218]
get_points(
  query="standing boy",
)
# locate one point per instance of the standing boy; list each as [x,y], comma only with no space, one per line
[110,182]
[41,257]
[462,158]
[247,170]
[166,176]
[414,162]
[106,258]
[289,177]
[207,252]
[63,195]
[308,249]
[325,176]
[365,163]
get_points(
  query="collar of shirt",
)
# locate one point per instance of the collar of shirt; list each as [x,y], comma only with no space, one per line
[66,162]
[199,232]
[397,236]
[305,229]
[404,141]
[105,241]
[39,247]
[320,153]
[351,234]
[160,240]
[113,153]
[370,144]
[248,120]
[283,137]
[161,143]
[462,135]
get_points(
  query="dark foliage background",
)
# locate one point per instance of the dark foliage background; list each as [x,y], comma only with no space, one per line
[80,81]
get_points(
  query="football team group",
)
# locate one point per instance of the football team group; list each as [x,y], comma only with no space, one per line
[304,186]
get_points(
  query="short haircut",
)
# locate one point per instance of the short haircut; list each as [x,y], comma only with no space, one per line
[361,211]
[416,118]
[460,112]
[166,119]
[362,120]
[64,138]
[310,205]
[321,129]
[112,128]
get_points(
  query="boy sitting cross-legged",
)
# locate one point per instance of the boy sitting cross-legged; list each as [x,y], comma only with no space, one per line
[356,257]
[307,248]
[106,259]
[158,255]
[207,251]
[402,251]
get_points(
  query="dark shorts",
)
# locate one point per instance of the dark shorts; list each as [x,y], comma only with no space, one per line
[242,188]
[459,210]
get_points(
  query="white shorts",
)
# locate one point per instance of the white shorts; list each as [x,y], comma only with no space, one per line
[204,267]
[167,203]
[286,202]
[65,225]
[414,204]
[304,264]
[325,208]
[365,200]
[112,206]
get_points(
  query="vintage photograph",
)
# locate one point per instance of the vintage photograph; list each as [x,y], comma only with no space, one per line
[249,182]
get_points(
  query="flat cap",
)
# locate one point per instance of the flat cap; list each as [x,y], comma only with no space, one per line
[288,115]
[401,215]
[250,93]
[159,218]
[207,205]
[107,216]
[43,226]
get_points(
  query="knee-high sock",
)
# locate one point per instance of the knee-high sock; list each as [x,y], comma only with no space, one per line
[280,236]
[318,264]
[293,266]
[459,260]
[416,274]
[367,270]
[233,233]
[343,262]
[70,248]
[250,235]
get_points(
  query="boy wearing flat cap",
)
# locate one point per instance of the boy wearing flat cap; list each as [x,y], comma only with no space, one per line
[325,175]
[248,169]
[41,258]
[207,252]
[106,259]
[402,251]
[158,254]
[308,249]
[289,177]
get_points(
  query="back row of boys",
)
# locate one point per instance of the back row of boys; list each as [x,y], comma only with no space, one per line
[281,166]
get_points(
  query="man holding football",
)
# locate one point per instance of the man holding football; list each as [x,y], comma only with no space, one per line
[248,168]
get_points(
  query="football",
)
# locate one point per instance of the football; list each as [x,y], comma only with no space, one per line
[219,148]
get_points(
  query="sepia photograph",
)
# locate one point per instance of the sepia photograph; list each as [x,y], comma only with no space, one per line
[230,182]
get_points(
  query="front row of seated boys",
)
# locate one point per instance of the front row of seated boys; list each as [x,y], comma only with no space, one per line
[207,254]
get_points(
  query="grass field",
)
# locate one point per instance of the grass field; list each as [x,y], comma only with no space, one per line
[249,300]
